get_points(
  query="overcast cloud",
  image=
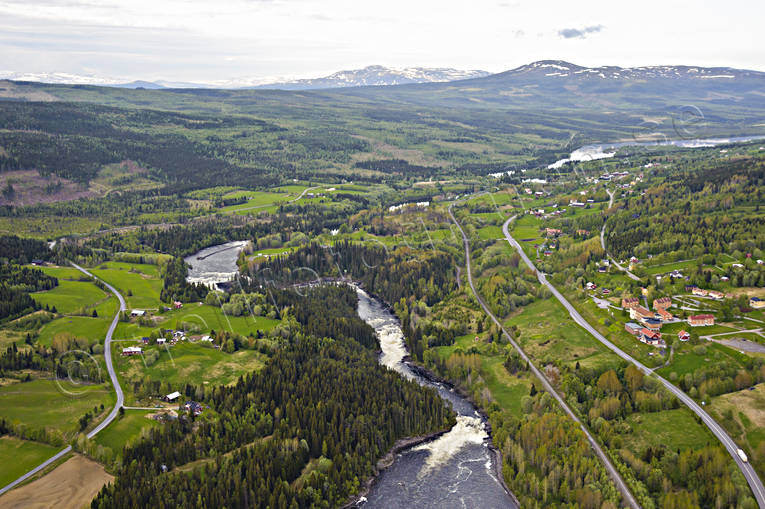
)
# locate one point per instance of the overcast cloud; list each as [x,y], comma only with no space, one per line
[199,40]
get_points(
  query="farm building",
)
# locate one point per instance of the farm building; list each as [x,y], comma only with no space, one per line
[137,312]
[172,396]
[132,350]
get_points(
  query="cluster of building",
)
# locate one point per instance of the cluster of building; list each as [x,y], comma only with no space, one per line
[695,290]
[175,336]
[192,407]
[648,326]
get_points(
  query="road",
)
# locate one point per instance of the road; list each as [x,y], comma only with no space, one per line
[746,468]
[112,375]
[603,241]
[612,472]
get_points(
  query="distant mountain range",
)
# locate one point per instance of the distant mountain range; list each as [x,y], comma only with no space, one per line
[373,75]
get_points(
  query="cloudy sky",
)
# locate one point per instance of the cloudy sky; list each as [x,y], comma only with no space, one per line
[205,41]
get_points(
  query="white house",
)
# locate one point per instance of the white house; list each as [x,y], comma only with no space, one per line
[132,350]
[173,396]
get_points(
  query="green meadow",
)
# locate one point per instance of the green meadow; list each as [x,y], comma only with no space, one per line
[20,456]
[42,404]
[124,429]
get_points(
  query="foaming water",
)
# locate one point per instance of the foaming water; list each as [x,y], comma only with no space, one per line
[454,470]
[215,264]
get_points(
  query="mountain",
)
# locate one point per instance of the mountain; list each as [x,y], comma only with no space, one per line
[372,75]
[377,75]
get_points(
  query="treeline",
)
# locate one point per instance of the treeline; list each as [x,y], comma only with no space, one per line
[701,208]
[174,284]
[14,249]
[397,166]
[16,283]
[305,431]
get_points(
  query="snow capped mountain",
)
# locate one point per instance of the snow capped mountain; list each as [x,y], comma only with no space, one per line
[378,75]
[562,69]
[371,75]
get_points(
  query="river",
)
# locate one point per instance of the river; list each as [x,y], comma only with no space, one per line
[605,150]
[215,264]
[455,470]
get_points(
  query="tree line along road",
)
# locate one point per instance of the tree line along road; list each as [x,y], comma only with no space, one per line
[746,468]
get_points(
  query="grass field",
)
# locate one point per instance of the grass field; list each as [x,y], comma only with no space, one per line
[676,427]
[124,429]
[548,334]
[20,456]
[186,362]
[94,329]
[70,296]
[42,404]
[142,280]
[686,361]
[506,389]
[212,317]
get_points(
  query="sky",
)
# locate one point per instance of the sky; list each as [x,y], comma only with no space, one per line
[215,41]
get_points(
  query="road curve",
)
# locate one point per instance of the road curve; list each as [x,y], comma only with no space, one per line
[746,468]
[612,472]
[603,241]
[112,375]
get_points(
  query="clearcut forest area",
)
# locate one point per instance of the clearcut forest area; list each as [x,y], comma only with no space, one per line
[604,315]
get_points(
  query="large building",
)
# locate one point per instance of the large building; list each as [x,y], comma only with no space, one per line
[700,320]
[662,303]
[630,302]
[756,303]
[641,313]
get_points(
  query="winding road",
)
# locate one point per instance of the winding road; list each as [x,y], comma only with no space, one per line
[112,375]
[610,468]
[746,468]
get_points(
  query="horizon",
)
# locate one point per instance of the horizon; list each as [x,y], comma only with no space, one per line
[190,41]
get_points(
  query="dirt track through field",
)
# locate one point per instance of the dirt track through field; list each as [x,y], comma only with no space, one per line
[71,485]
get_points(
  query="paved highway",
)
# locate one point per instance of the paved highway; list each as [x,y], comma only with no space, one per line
[746,468]
[612,472]
[112,375]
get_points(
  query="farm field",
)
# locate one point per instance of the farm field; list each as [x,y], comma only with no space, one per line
[71,296]
[93,329]
[207,317]
[188,362]
[140,280]
[71,485]
[41,404]
[124,429]
[20,456]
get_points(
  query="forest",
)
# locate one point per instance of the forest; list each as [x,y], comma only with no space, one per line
[290,435]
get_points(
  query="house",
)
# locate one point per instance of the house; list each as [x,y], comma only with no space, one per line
[633,328]
[172,396]
[38,262]
[605,291]
[587,232]
[206,339]
[634,259]
[662,303]
[650,337]
[760,262]
[137,312]
[756,303]
[724,278]
[177,305]
[700,320]
[630,302]
[689,288]
[193,407]
[665,315]
[699,291]
[132,350]
[590,286]
[639,312]
[552,232]
[576,204]
[737,265]
[602,268]
[161,341]
[145,340]
[683,335]
[716,295]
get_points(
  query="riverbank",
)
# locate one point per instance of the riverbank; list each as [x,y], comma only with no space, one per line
[444,386]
